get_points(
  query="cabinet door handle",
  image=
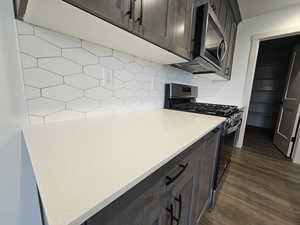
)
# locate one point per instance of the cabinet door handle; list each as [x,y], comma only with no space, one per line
[179,200]
[216,130]
[130,10]
[170,180]
[214,8]
[170,210]
[221,47]
[140,18]
[227,70]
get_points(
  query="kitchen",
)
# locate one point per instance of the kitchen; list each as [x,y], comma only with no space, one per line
[79,81]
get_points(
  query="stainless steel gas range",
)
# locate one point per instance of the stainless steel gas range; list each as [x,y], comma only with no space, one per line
[183,98]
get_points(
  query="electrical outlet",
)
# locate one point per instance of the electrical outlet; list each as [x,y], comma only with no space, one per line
[153,83]
[107,77]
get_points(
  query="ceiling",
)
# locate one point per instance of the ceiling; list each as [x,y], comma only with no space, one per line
[251,8]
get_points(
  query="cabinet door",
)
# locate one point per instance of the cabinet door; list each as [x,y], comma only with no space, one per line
[179,193]
[132,214]
[155,206]
[152,21]
[180,202]
[205,157]
[223,14]
[215,5]
[181,17]
[117,12]
[231,47]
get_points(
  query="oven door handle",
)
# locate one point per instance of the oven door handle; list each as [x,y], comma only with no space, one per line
[234,128]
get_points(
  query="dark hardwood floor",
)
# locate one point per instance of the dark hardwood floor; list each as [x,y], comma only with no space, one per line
[261,187]
[260,140]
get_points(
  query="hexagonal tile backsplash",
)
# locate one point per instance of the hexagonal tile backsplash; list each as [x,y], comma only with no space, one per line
[67,78]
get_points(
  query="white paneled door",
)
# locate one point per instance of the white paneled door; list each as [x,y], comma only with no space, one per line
[289,112]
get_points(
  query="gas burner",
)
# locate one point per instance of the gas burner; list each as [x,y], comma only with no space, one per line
[205,108]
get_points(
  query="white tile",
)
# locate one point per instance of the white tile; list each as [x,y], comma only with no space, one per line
[97,50]
[111,63]
[100,113]
[143,62]
[31,92]
[28,61]
[143,77]
[36,120]
[63,116]
[43,106]
[24,28]
[132,102]
[142,94]
[40,78]
[83,105]
[95,71]
[123,57]
[115,84]
[157,84]
[62,93]
[81,81]
[132,85]
[80,56]
[150,70]
[148,86]
[112,102]
[133,68]
[37,47]
[59,65]
[98,93]
[58,39]
[123,75]
[123,93]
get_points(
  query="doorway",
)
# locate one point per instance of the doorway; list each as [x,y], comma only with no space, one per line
[266,111]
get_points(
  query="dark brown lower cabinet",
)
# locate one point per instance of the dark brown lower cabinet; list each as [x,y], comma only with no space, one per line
[206,165]
[176,194]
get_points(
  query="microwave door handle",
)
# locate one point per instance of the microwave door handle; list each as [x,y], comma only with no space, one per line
[222,50]
[225,50]
[218,51]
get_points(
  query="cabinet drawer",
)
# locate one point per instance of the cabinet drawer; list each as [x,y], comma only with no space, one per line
[178,169]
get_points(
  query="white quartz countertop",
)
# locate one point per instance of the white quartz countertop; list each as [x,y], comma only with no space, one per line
[82,166]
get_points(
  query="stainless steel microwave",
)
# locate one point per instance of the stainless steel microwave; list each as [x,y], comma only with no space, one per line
[209,45]
[209,39]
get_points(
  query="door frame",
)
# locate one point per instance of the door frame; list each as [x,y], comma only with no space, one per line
[252,60]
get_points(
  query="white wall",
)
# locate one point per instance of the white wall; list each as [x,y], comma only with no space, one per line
[18,202]
[238,88]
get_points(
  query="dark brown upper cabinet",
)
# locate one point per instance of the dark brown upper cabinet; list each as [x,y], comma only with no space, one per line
[118,12]
[181,16]
[224,10]
[152,21]
[215,5]
[230,33]
[168,24]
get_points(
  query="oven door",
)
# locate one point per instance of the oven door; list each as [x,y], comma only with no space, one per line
[210,42]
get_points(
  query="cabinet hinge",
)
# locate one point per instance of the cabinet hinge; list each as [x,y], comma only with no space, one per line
[293,139]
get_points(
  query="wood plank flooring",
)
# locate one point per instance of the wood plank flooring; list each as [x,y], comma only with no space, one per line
[261,188]
[259,140]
